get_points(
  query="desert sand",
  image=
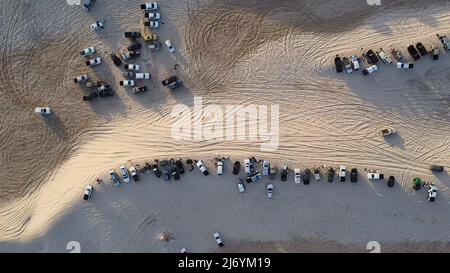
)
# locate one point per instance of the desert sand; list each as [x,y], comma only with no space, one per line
[228,53]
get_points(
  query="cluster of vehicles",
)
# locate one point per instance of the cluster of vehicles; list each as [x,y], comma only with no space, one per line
[372,58]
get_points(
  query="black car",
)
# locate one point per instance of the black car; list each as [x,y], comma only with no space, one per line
[236,167]
[413,52]
[116,60]
[106,92]
[179,166]
[372,57]
[132,35]
[331,173]
[354,175]
[167,176]
[171,82]
[134,47]
[284,174]
[391,181]
[88,4]
[175,173]
[436,168]
[156,170]
[90,96]
[338,64]
[306,176]
[422,50]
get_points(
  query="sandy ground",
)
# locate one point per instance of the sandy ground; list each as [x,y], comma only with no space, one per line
[228,52]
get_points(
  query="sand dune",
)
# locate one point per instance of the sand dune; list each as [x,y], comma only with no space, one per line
[228,53]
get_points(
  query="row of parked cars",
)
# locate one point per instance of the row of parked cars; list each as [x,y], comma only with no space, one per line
[372,58]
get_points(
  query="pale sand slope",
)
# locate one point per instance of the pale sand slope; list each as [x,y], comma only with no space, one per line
[257,53]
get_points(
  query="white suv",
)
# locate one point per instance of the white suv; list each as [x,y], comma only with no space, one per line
[297,176]
[342,173]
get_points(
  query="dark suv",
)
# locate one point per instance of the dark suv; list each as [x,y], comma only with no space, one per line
[88,4]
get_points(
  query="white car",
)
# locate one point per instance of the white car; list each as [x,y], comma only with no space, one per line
[220,167]
[149,6]
[170,47]
[297,176]
[202,168]
[127,83]
[88,192]
[134,174]
[266,167]
[98,25]
[269,189]
[342,173]
[375,176]
[153,15]
[134,67]
[183,250]
[152,24]
[432,193]
[355,63]
[405,65]
[241,186]
[43,110]
[142,76]
[370,70]
[94,62]
[81,78]
[218,239]
[384,57]
[87,51]
[247,166]
[125,175]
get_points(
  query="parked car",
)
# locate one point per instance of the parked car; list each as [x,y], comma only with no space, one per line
[284,173]
[81,78]
[91,96]
[269,189]
[171,82]
[330,174]
[397,54]
[94,62]
[152,15]
[134,47]
[371,57]
[421,48]
[273,172]
[391,181]
[370,70]
[154,46]
[130,55]
[306,176]
[375,175]
[142,76]
[405,65]
[354,175]
[247,166]
[384,57]
[88,4]
[445,41]
[413,52]
[256,177]
[316,172]
[87,51]
[114,178]
[88,192]
[220,167]
[347,65]
[124,172]
[128,74]
[387,132]
[218,239]
[134,174]
[116,60]
[139,89]
[266,167]
[156,170]
[152,24]
[432,193]
[241,185]
[236,167]
[179,166]
[175,173]
[149,6]
[134,67]
[151,38]
[167,175]
[105,91]
[338,64]
[132,35]
[355,63]
[169,46]
[342,173]
[434,51]
[126,83]
[297,176]
[202,168]
[436,168]
[43,110]
[97,25]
